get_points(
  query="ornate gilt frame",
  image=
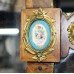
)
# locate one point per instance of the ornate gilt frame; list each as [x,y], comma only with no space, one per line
[71,33]
[39,14]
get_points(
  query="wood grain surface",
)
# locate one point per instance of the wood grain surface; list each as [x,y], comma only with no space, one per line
[38,3]
[19,5]
[55,55]
[40,67]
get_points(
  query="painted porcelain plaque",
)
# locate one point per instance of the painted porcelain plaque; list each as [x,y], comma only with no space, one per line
[39,35]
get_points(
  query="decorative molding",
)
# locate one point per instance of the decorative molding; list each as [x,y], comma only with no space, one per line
[66,21]
[68,16]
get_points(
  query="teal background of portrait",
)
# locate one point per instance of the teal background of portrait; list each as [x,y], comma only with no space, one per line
[48,40]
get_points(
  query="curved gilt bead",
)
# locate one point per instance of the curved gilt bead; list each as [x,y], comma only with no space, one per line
[71,33]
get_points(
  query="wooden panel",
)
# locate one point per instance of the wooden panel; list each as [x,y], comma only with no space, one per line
[40,67]
[38,3]
[55,55]
[65,43]
[19,5]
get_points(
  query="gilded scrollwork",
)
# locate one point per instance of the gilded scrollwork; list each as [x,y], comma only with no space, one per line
[39,14]
[71,33]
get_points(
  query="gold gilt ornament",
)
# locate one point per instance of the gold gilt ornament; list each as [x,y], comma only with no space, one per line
[39,54]
[71,33]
